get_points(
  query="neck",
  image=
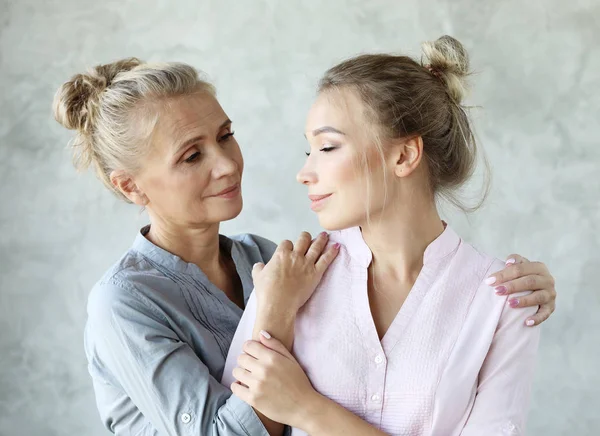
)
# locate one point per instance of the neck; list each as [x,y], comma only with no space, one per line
[198,245]
[398,238]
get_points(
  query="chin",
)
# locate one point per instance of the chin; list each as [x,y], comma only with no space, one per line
[333,223]
[228,213]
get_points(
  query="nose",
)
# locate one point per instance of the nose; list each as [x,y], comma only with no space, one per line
[224,165]
[307,175]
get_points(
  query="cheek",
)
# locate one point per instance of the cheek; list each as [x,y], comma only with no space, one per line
[184,186]
[238,158]
[339,171]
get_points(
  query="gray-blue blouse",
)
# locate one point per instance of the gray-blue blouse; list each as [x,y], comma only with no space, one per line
[156,340]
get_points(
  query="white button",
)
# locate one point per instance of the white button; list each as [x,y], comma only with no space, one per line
[378,359]
[376,398]
[185,418]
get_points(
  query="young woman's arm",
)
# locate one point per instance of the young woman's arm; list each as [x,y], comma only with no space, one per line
[284,285]
[271,380]
[503,390]
[296,268]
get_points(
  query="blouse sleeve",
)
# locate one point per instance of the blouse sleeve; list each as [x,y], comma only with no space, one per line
[161,374]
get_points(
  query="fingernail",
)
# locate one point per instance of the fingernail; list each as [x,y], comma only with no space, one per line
[265,334]
[511,261]
[501,290]
[530,322]
[323,234]
[336,245]
[490,280]
[513,302]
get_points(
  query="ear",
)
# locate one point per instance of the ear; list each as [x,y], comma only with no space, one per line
[127,186]
[408,154]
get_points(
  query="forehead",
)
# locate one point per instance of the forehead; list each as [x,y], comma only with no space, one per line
[339,108]
[189,114]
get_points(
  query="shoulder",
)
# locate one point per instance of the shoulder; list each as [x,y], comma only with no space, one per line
[123,290]
[255,247]
[480,266]
[476,262]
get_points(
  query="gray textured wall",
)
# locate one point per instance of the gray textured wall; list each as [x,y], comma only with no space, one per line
[538,86]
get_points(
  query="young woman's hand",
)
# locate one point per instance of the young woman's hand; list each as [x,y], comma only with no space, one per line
[270,379]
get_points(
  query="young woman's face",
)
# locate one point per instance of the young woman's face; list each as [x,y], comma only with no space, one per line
[344,171]
[193,173]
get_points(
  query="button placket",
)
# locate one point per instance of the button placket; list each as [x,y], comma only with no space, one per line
[376,384]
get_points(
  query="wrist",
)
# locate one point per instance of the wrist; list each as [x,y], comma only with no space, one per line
[277,321]
[273,310]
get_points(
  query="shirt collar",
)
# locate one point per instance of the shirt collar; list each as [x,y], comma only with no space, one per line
[173,262]
[446,243]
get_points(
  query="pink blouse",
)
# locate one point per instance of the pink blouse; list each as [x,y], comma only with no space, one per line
[456,360]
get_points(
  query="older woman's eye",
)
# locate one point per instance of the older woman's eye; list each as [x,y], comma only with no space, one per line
[193,157]
[226,136]
[327,149]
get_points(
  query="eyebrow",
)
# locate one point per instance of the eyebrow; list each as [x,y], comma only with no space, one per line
[326,129]
[197,138]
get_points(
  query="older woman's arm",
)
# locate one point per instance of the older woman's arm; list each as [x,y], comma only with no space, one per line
[171,387]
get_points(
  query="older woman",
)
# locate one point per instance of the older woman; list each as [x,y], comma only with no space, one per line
[160,321]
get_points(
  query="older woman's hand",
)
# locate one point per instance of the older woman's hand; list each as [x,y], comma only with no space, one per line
[522,275]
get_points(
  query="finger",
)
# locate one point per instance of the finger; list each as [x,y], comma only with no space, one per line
[326,259]
[513,259]
[285,245]
[274,344]
[317,247]
[247,362]
[256,269]
[246,386]
[259,351]
[536,298]
[515,271]
[522,284]
[303,243]
[542,315]
[241,391]
[243,376]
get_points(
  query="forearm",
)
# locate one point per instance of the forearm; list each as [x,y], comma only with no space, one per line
[277,321]
[330,419]
[280,324]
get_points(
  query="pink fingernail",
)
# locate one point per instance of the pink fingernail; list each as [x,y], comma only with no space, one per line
[336,245]
[265,334]
[513,302]
[501,290]
[511,261]
[490,280]
[530,322]
[323,234]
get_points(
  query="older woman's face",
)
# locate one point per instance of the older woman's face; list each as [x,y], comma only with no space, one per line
[192,176]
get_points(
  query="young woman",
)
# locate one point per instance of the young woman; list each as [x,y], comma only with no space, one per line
[403,330]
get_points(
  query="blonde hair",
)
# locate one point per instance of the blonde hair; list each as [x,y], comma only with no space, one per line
[406,98]
[112,109]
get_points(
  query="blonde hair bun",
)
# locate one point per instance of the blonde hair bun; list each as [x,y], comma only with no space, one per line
[447,58]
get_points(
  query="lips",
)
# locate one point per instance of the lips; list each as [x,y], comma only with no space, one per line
[229,190]
[318,197]
[317,202]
